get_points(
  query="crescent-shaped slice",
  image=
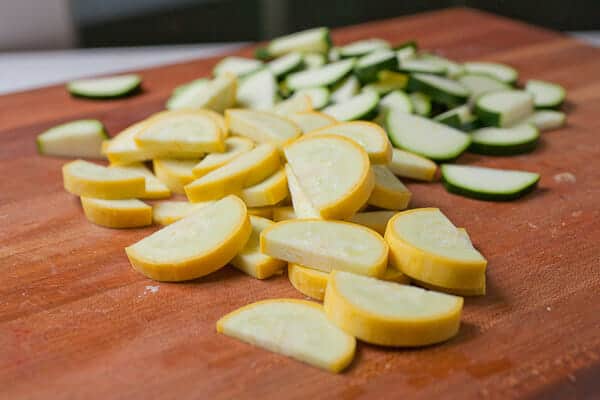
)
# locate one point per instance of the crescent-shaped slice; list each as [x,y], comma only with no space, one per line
[167,212]
[390,314]
[261,126]
[84,178]
[251,260]
[174,173]
[243,171]
[268,192]
[333,172]
[155,189]
[427,247]
[196,245]
[389,192]
[185,131]
[326,245]
[294,328]
[234,146]
[130,213]
[310,121]
[367,134]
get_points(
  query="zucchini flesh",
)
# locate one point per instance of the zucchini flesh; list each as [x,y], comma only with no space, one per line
[453,69]
[479,84]
[238,66]
[425,137]
[283,65]
[421,103]
[505,141]
[504,108]
[258,91]
[314,60]
[81,138]
[319,97]
[362,47]
[546,120]
[325,76]
[498,71]
[456,117]
[545,94]
[488,183]
[105,88]
[315,40]
[388,81]
[414,65]
[345,90]
[362,106]
[368,66]
[440,89]
[396,101]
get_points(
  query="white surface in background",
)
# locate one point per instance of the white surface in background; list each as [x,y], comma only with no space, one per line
[590,37]
[28,70]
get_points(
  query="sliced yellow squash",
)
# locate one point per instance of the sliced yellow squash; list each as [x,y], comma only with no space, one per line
[308,281]
[283,213]
[376,220]
[392,274]
[413,166]
[268,192]
[389,192]
[263,212]
[155,189]
[200,243]
[333,172]
[234,146]
[243,171]
[84,178]
[293,105]
[174,173]
[326,245]
[294,328]
[251,260]
[427,247]
[181,131]
[217,95]
[130,213]
[261,126]
[310,121]
[302,206]
[367,134]
[218,118]
[390,314]
[167,212]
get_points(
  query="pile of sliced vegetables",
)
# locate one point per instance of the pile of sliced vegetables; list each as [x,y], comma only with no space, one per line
[291,161]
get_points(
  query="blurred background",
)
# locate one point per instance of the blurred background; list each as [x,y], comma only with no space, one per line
[108,29]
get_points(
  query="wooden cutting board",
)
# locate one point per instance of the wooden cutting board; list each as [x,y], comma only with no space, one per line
[77,322]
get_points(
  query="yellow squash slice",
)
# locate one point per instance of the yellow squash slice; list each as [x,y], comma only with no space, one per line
[181,131]
[261,126]
[174,173]
[311,120]
[218,95]
[427,247]
[326,245]
[376,220]
[84,178]
[389,192]
[234,146]
[155,189]
[302,207]
[250,260]
[268,192]
[263,212]
[367,134]
[294,328]
[333,172]
[202,242]
[293,105]
[243,171]
[130,213]
[390,314]
[167,212]
[283,213]
[122,149]
[413,166]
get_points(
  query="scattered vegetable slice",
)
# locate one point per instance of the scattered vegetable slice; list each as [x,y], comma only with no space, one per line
[130,213]
[105,88]
[81,138]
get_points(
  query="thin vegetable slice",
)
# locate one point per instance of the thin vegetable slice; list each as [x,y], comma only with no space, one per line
[413,166]
[167,212]
[505,141]
[130,213]
[155,189]
[271,191]
[501,72]
[504,108]
[439,88]
[258,91]
[238,66]
[311,120]
[361,106]
[216,94]
[368,66]
[545,94]
[389,192]
[327,75]
[80,138]
[315,40]
[105,88]
[234,146]
[174,173]
[261,126]
[362,47]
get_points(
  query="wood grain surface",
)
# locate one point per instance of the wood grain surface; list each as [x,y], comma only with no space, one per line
[77,322]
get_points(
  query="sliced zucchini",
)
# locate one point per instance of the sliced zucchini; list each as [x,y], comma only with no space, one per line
[319,96]
[488,183]
[258,91]
[105,88]
[479,84]
[439,88]
[286,64]
[315,40]
[345,90]
[388,81]
[425,137]
[238,66]
[460,118]
[182,88]
[333,54]
[368,66]
[319,77]
[503,108]
[414,65]
[81,138]
[215,94]
[421,103]
[406,50]
[453,69]
[396,101]
[498,71]
[545,94]
[362,106]
[409,165]
[505,141]
[362,47]
[546,120]
[314,60]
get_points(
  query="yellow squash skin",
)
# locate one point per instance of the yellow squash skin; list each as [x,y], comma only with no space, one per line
[386,331]
[268,192]
[308,281]
[199,265]
[389,193]
[101,213]
[443,273]
[175,177]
